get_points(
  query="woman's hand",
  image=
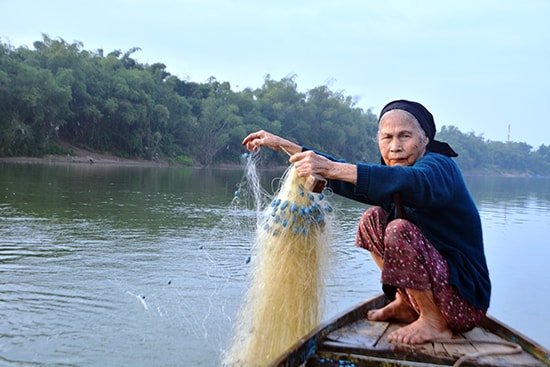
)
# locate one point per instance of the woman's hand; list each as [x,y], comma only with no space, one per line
[264,139]
[308,163]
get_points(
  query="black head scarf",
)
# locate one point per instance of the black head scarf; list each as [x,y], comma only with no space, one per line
[426,121]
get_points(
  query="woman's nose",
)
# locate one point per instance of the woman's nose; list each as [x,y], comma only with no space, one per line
[395,145]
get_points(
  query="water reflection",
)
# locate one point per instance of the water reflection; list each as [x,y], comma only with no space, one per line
[146,266]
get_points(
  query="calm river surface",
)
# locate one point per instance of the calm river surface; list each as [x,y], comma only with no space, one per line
[119,266]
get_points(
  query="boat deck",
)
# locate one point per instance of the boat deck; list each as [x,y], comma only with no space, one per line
[353,341]
[365,342]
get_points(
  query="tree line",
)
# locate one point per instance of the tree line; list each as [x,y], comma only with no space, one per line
[59,92]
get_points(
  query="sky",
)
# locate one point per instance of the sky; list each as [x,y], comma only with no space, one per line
[480,65]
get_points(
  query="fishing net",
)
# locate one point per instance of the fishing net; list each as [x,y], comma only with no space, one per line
[289,267]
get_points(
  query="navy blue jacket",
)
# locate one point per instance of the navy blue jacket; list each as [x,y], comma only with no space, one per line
[436,199]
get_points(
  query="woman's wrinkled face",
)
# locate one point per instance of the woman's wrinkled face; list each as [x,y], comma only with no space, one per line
[401,139]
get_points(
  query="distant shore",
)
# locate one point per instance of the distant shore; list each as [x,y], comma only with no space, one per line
[102,159]
[92,158]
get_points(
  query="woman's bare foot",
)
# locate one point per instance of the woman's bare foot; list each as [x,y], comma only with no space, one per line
[425,329]
[431,324]
[397,310]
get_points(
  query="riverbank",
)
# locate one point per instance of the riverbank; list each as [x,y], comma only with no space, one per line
[81,156]
[99,159]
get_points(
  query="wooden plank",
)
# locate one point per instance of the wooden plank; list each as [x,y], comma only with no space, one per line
[440,351]
[362,333]
[506,332]
[426,349]
[336,359]
[383,343]
[306,347]
[458,350]
[479,336]
[408,352]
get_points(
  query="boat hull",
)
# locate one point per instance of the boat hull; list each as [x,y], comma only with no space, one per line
[351,340]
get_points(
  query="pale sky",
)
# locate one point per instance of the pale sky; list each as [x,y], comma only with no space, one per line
[475,64]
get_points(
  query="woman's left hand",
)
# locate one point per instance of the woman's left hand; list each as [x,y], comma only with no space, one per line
[308,163]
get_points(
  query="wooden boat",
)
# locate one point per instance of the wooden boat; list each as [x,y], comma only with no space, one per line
[352,340]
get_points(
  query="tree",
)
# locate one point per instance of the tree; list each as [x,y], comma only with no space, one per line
[35,104]
[510,155]
[218,116]
[339,127]
[111,102]
[540,160]
[472,149]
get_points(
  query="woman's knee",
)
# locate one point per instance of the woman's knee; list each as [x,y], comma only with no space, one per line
[402,235]
[370,232]
[373,214]
[400,226]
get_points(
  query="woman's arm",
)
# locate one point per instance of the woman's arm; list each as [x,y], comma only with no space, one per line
[305,162]
[264,139]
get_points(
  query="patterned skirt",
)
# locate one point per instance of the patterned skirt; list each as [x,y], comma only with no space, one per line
[410,261]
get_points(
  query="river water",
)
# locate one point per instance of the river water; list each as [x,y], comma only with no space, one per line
[118,266]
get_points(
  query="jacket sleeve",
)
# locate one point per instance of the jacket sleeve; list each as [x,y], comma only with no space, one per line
[429,182]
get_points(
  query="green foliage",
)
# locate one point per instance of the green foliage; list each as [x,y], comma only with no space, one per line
[540,160]
[181,160]
[475,153]
[111,103]
[472,150]
[35,104]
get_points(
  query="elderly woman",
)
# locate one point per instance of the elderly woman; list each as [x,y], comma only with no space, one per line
[424,230]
